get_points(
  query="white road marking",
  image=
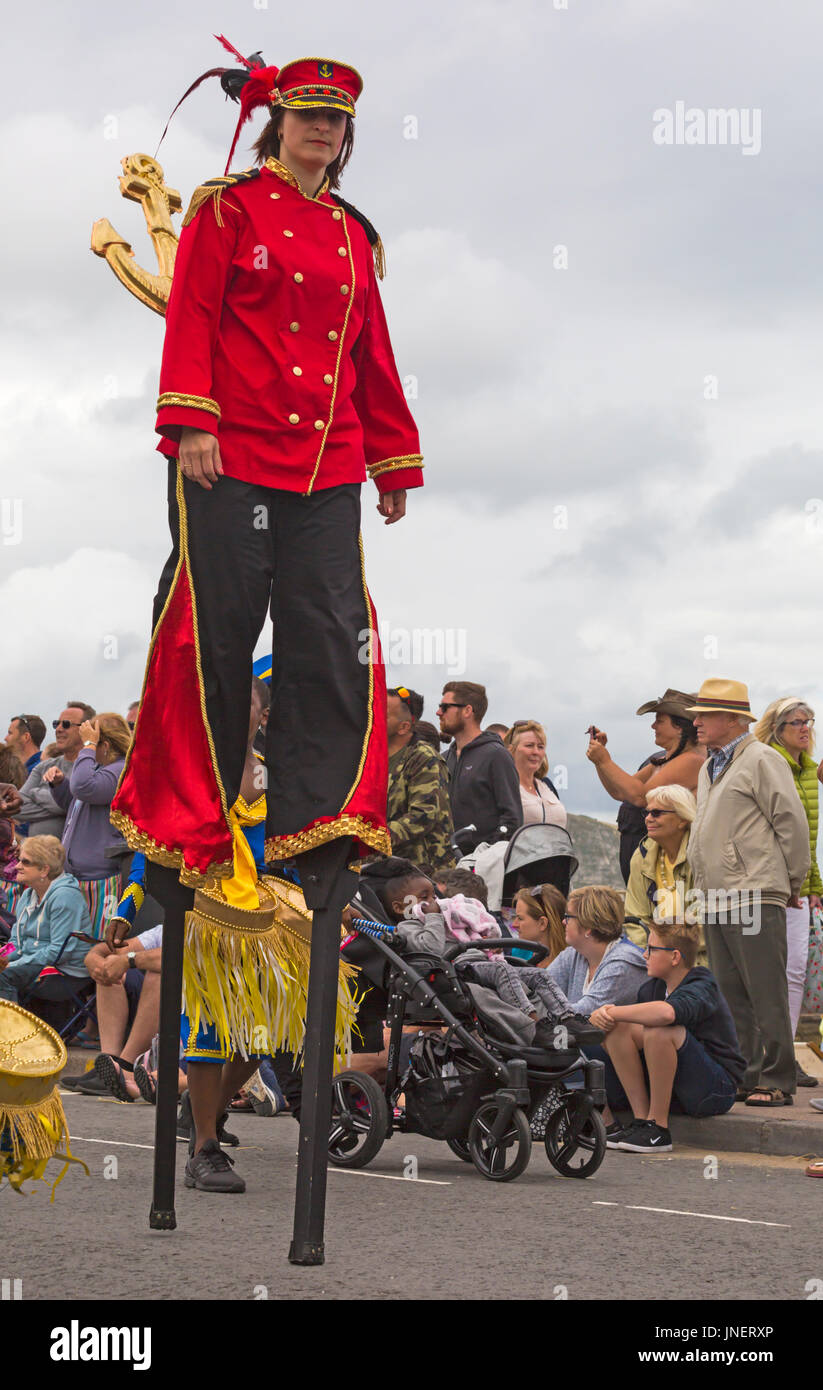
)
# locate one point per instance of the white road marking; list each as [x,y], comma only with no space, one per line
[704,1215]
[390,1177]
[118,1143]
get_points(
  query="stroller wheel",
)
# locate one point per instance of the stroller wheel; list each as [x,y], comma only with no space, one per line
[359,1120]
[500,1159]
[461,1148]
[575,1138]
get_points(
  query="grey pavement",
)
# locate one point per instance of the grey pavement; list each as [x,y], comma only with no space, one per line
[641,1228]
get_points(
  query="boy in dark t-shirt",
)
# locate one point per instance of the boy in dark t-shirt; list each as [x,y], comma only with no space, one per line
[678,1042]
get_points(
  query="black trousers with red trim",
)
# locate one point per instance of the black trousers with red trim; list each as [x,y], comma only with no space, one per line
[254,550]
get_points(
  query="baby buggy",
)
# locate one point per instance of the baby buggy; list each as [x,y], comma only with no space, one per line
[535,854]
[471,1086]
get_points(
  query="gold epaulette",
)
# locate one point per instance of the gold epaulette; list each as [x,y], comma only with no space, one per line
[215,188]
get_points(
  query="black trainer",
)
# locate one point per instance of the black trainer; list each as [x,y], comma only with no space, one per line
[646,1137]
[617,1130]
[210,1170]
[92,1084]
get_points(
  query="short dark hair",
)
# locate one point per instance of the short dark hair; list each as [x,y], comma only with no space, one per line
[426,733]
[386,876]
[469,693]
[454,881]
[412,702]
[267,146]
[89,712]
[35,726]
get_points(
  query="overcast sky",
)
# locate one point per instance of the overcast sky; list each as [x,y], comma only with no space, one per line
[624,487]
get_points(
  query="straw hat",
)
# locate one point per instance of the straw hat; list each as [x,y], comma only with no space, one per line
[719,696]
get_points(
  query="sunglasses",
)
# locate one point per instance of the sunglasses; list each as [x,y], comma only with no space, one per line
[21,719]
[655,815]
[29,863]
[447,706]
[799,724]
[65,724]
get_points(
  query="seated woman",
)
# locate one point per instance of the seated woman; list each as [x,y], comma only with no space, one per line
[600,965]
[526,741]
[86,796]
[679,763]
[660,875]
[538,916]
[50,909]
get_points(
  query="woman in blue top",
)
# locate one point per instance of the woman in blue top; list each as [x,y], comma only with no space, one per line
[51,908]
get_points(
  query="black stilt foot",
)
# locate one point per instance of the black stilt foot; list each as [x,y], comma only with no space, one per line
[164,885]
[327,886]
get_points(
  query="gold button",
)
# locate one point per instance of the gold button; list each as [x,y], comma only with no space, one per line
[344,289]
[341,251]
[333,336]
[328,379]
[319,424]
[285,233]
[274,195]
[295,327]
[298,277]
[294,419]
[337,214]
[298,371]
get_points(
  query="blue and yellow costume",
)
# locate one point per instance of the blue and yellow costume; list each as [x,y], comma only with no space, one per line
[246,955]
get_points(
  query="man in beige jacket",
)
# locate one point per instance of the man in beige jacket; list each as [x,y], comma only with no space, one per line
[749,852]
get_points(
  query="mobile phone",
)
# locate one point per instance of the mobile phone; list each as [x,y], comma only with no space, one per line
[591,731]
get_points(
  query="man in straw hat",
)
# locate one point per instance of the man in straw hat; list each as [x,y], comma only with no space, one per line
[749,850]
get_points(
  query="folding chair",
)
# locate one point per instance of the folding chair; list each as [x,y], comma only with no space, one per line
[82,1000]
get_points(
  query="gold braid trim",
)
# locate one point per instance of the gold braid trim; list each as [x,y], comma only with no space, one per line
[172,858]
[215,188]
[190,402]
[35,1133]
[391,465]
[284,846]
[379,251]
[251,981]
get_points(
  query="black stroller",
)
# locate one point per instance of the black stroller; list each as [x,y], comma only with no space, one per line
[475,1091]
[534,854]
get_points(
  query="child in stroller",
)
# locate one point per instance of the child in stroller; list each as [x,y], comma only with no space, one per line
[428,924]
[475,1080]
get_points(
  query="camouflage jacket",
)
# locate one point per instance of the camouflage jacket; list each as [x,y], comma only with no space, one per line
[418,813]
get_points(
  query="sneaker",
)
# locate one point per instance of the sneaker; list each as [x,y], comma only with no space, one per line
[264,1099]
[803,1078]
[617,1130]
[70,1083]
[92,1084]
[210,1170]
[646,1137]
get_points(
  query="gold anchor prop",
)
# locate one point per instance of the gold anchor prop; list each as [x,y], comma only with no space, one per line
[142,181]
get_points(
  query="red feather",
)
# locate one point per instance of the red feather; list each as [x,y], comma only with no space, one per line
[231,49]
[256,92]
[212,72]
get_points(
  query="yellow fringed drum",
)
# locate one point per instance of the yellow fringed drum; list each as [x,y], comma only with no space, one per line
[32,1121]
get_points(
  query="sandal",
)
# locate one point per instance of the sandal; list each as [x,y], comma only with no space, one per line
[775,1097]
[242,1104]
[145,1083]
[815,1169]
[109,1070]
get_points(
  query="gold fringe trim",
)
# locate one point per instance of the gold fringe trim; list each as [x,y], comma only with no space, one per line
[190,402]
[284,846]
[379,259]
[171,858]
[253,986]
[30,1136]
[390,465]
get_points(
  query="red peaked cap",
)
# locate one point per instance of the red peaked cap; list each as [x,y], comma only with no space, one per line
[304,83]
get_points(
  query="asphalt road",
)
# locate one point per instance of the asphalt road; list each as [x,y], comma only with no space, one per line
[448,1234]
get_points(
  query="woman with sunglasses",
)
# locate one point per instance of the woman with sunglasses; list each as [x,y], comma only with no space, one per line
[660,876]
[50,911]
[788,727]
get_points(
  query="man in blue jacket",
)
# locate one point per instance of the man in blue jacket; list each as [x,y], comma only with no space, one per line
[678,1042]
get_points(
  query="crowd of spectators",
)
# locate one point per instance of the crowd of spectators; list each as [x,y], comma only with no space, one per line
[696,976]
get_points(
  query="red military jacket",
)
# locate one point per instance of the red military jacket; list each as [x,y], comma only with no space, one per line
[276,341]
